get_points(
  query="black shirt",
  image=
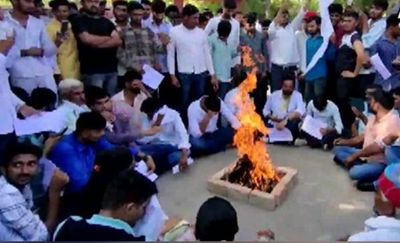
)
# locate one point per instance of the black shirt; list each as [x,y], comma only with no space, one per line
[94,60]
[347,56]
[98,228]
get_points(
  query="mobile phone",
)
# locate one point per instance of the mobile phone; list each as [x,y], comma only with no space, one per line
[64,27]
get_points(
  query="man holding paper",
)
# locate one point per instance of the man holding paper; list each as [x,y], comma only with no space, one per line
[387,50]
[327,115]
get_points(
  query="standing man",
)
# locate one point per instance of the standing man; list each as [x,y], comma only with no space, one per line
[63,38]
[189,44]
[387,47]
[284,54]
[372,30]
[139,46]
[147,17]
[97,45]
[26,59]
[10,103]
[121,17]
[227,14]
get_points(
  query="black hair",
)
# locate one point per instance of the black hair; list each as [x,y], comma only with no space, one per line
[224,28]
[383,98]
[18,148]
[20,93]
[383,4]
[317,20]
[219,11]
[352,14]
[132,6]
[289,76]
[320,102]
[189,10]
[216,221]
[150,105]
[158,6]
[213,103]
[90,121]
[73,5]
[120,3]
[132,75]
[128,187]
[392,21]
[336,8]
[396,91]
[373,86]
[55,4]
[43,99]
[266,23]
[238,78]
[208,14]
[145,2]
[94,93]
[171,8]
[251,18]
[230,4]
[203,18]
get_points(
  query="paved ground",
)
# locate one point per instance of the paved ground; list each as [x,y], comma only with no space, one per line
[323,206]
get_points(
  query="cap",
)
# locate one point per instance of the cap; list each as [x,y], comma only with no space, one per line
[309,15]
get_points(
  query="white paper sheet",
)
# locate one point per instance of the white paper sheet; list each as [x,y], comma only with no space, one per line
[313,126]
[377,63]
[152,77]
[53,121]
[275,135]
[176,170]
[153,221]
[142,168]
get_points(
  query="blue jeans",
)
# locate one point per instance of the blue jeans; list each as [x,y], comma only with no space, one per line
[5,141]
[392,155]
[223,89]
[361,171]
[211,143]
[107,81]
[165,156]
[314,88]
[193,87]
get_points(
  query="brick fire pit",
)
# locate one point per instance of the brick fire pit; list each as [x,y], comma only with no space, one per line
[268,201]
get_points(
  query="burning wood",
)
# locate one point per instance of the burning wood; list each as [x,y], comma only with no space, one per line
[254,169]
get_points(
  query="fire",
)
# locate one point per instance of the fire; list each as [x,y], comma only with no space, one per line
[249,137]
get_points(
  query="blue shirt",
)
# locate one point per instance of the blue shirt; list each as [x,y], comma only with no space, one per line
[320,68]
[222,54]
[387,51]
[77,159]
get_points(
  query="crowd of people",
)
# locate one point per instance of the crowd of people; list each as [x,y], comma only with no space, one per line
[89,63]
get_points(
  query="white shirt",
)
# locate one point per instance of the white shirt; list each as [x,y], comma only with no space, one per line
[231,100]
[329,116]
[173,130]
[192,50]
[164,28]
[34,35]
[196,114]
[10,103]
[301,38]
[234,36]
[275,105]
[381,228]
[283,42]
[135,112]
[72,112]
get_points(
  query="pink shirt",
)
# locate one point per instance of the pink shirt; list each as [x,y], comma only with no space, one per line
[377,130]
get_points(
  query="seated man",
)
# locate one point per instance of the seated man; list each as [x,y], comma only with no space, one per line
[205,136]
[133,95]
[72,95]
[171,143]
[365,165]
[124,203]
[17,221]
[327,112]
[285,108]
[75,155]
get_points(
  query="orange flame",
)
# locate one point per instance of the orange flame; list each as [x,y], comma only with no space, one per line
[248,138]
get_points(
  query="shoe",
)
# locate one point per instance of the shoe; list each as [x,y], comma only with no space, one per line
[365,186]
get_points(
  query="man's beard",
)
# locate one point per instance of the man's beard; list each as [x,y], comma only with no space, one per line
[135,90]
[92,11]
[287,93]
